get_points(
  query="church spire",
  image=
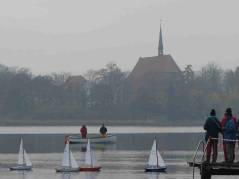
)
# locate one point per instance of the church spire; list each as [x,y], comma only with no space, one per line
[160,47]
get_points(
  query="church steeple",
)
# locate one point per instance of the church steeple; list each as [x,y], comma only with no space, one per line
[160,47]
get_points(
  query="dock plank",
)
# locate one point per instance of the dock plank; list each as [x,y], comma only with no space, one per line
[218,168]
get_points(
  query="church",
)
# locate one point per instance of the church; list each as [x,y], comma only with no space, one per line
[158,71]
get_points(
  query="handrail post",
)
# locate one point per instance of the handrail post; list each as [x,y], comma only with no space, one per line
[205,149]
[195,154]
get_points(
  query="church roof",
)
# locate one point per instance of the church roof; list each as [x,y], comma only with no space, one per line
[156,70]
[154,65]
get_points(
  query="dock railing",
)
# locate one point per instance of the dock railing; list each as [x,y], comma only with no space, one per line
[200,144]
[208,169]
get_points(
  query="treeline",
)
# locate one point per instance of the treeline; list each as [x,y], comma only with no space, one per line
[107,94]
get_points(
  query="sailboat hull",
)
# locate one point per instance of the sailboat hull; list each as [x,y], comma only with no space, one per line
[21,168]
[90,169]
[155,169]
[77,139]
[66,170]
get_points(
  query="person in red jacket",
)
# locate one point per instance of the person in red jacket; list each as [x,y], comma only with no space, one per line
[83,131]
[223,124]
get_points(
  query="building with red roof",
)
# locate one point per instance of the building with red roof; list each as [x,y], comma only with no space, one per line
[158,71]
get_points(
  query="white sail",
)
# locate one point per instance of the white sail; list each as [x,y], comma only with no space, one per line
[90,158]
[160,160]
[20,154]
[27,159]
[155,158]
[93,159]
[73,161]
[66,156]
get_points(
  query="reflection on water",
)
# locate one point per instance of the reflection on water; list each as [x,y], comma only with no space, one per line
[66,176]
[91,175]
[156,176]
[50,143]
[115,165]
[96,146]
[24,174]
[148,176]
[86,175]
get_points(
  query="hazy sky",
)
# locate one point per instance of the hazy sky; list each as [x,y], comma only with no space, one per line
[78,35]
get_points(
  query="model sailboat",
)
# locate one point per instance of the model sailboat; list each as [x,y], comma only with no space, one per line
[24,162]
[68,163]
[155,162]
[90,160]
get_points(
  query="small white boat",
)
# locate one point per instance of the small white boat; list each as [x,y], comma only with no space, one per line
[155,162]
[24,162]
[68,163]
[94,138]
[90,161]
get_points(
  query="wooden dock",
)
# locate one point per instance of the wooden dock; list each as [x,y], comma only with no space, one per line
[220,168]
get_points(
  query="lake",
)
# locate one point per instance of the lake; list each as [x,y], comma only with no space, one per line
[124,160]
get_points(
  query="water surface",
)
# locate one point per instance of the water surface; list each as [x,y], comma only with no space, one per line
[124,160]
[95,129]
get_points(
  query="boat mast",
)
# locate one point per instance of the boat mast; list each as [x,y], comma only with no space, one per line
[91,157]
[157,152]
[23,158]
[69,153]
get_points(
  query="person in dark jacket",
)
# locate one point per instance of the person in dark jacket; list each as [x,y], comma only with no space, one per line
[83,131]
[213,128]
[103,131]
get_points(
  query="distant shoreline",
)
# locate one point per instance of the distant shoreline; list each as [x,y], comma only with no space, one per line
[79,122]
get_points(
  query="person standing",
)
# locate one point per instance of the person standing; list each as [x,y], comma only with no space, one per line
[83,132]
[229,136]
[223,124]
[238,132]
[213,128]
[103,131]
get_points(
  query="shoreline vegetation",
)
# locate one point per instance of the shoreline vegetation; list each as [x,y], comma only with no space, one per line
[152,123]
[105,96]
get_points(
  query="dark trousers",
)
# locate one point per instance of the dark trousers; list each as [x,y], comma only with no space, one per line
[225,151]
[212,146]
[230,151]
